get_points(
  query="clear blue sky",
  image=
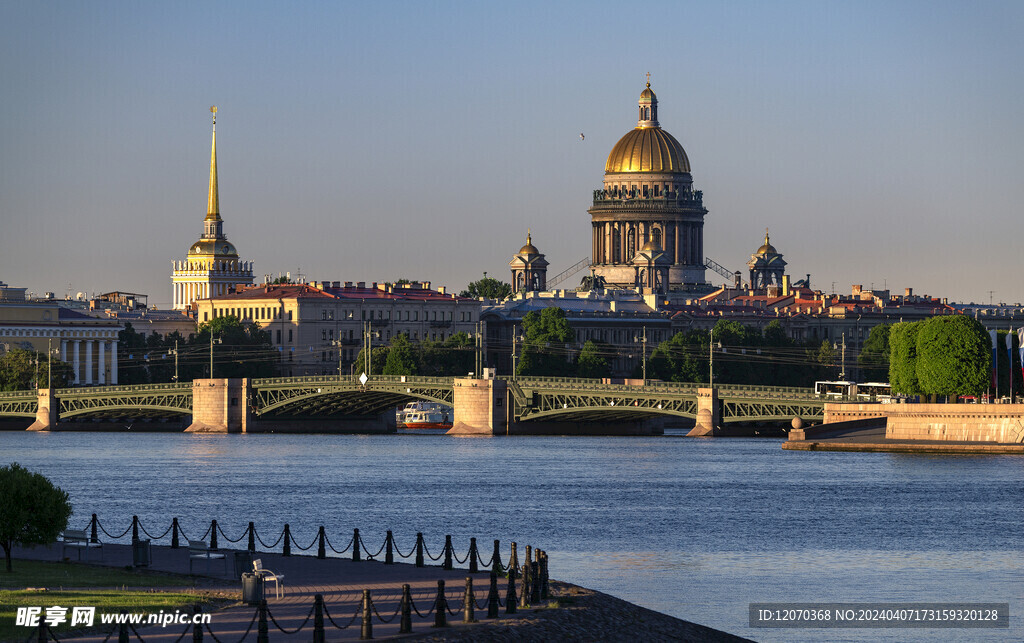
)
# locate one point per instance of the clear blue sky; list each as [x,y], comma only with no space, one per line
[879,141]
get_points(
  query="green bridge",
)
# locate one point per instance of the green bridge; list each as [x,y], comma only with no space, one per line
[481,405]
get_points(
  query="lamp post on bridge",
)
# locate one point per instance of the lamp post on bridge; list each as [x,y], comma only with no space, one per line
[213,341]
[175,353]
[643,358]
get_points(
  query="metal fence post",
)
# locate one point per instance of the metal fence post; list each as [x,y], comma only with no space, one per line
[468,602]
[366,633]
[447,553]
[440,607]
[405,625]
[213,534]
[356,554]
[473,555]
[174,534]
[252,537]
[492,597]
[319,636]
[419,549]
[321,548]
[287,551]
[389,554]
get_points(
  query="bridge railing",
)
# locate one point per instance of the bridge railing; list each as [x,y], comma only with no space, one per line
[18,394]
[348,379]
[126,388]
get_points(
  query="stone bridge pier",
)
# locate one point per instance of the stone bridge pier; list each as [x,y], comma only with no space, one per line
[47,410]
[709,413]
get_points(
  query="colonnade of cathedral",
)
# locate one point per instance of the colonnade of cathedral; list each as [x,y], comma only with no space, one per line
[617,242]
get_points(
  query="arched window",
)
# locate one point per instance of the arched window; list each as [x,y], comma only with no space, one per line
[656,236]
[630,243]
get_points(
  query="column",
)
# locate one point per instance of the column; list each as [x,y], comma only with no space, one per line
[101,372]
[113,362]
[677,255]
[63,350]
[76,380]
[88,363]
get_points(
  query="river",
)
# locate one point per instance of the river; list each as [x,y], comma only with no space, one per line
[696,528]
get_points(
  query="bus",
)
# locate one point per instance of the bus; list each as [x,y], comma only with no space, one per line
[867,392]
[836,390]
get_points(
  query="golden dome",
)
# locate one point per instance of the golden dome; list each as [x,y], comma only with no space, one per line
[647,93]
[767,248]
[529,248]
[218,248]
[651,246]
[647,149]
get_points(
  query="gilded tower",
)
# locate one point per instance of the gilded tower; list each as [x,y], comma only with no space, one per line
[648,203]
[212,266]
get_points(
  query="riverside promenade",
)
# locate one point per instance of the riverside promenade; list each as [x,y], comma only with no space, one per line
[568,613]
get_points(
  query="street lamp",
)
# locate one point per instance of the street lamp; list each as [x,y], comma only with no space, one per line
[175,353]
[212,342]
[643,340]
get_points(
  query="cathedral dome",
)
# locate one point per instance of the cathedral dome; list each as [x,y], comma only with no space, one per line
[647,149]
[767,248]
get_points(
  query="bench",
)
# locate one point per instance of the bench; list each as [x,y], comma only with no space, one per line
[79,540]
[200,550]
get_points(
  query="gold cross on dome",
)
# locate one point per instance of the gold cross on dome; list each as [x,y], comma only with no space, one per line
[648,79]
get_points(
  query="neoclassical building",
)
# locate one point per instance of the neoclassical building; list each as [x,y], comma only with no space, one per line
[767,267]
[648,205]
[529,268]
[212,266]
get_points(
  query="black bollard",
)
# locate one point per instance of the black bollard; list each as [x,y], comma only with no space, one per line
[213,534]
[419,549]
[319,636]
[197,629]
[262,634]
[366,633]
[405,625]
[135,529]
[447,553]
[174,533]
[527,575]
[513,562]
[492,597]
[287,551]
[321,549]
[544,576]
[440,607]
[535,577]
[252,537]
[389,554]
[496,565]
[356,554]
[510,595]
[122,631]
[473,555]
[92,536]
[468,602]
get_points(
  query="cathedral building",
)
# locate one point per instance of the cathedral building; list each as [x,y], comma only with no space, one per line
[647,220]
[212,267]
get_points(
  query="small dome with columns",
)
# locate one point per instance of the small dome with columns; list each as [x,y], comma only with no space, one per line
[529,248]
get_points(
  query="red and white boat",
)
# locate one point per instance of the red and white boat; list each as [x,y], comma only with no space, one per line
[425,415]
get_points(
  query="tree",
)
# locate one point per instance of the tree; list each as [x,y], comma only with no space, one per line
[401,359]
[22,369]
[378,358]
[826,360]
[243,350]
[545,348]
[953,356]
[488,288]
[591,362]
[903,358]
[874,356]
[32,510]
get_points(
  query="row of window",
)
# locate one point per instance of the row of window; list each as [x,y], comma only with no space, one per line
[262,313]
[7,332]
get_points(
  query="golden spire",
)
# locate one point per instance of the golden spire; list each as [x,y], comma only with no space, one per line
[213,202]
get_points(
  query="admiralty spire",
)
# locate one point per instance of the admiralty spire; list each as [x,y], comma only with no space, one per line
[647,220]
[212,266]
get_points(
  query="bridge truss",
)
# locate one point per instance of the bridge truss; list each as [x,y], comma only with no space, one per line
[148,400]
[327,396]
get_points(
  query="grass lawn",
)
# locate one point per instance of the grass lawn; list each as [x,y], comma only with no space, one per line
[122,589]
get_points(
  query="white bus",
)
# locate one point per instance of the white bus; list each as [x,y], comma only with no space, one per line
[869,391]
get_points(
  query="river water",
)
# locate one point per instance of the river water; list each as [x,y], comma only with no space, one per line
[696,528]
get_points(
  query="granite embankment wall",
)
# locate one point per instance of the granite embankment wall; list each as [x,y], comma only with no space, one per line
[1003,423]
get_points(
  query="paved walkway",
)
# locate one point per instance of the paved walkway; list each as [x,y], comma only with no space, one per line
[340,581]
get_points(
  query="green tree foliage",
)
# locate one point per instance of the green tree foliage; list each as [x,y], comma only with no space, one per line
[20,368]
[547,336]
[401,359]
[454,356]
[953,356]
[32,510]
[489,288]
[825,359]
[244,349]
[679,358]
[874,355]
[903,358]
[591,361]
[378,358]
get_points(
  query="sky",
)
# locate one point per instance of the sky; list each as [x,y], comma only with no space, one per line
[879,142]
